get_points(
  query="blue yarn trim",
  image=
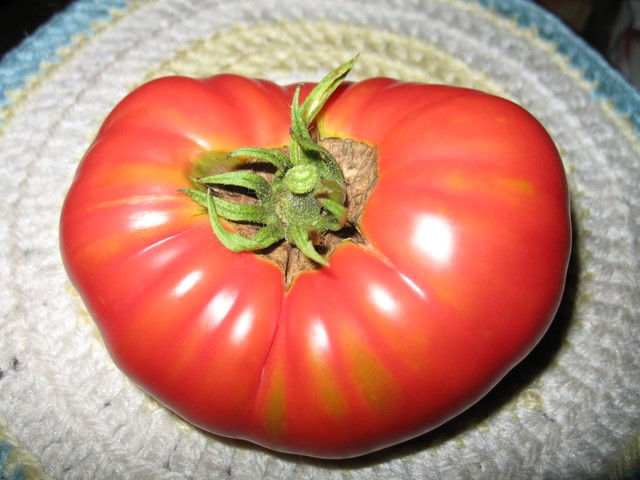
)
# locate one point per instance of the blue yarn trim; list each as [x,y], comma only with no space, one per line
[609,83]
[43,45]
[17,473]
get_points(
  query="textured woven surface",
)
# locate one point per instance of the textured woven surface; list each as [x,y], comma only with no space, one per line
[571,410]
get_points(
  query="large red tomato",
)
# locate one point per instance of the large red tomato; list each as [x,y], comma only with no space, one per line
[448,274]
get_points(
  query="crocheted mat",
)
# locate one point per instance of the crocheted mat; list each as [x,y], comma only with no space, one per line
[570,410]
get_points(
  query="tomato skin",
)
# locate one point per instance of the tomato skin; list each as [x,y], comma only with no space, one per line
[469,239]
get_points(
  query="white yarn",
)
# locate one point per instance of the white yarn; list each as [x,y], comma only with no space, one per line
[68,404]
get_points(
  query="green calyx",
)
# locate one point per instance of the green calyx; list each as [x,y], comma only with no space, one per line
[306,197]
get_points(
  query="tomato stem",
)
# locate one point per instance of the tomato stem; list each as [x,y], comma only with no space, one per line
[307,195]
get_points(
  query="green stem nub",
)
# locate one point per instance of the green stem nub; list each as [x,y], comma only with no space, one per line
[306,197]
[302,179]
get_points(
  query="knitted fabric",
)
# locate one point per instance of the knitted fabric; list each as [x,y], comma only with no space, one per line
[570,410]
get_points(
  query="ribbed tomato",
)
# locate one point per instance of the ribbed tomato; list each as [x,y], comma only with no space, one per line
[446,276]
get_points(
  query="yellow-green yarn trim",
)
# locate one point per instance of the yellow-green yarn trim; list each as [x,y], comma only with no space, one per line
[293,49]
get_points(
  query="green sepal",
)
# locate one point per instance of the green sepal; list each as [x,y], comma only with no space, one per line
[197,196]
[338,212]
[240,213]
[265,237]
[332,190]
[313,104]
[305,150]
[229,210]
[301,238]
[243,178]
[275,157]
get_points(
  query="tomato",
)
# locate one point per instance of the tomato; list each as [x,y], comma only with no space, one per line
[451,272]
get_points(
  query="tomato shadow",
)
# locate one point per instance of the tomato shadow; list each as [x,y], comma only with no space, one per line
[517,380]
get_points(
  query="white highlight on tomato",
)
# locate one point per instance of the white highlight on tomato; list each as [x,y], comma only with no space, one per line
[146,220]
[434,237]
[219,307]
[412,285]
[319,337]
[187,283]
[242,327]
[383,299]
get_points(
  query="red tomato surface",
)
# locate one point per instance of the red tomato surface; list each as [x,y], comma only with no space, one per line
[469,232]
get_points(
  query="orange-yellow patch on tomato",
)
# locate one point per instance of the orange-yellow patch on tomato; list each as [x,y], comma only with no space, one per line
[122,177]
[377,387]
[274,413]
[148,226]
[328,394]
[213,161]
[141,200]
[515,184]
[505,190]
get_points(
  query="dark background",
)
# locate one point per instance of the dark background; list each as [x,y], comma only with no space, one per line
[608,25]
[19,18]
